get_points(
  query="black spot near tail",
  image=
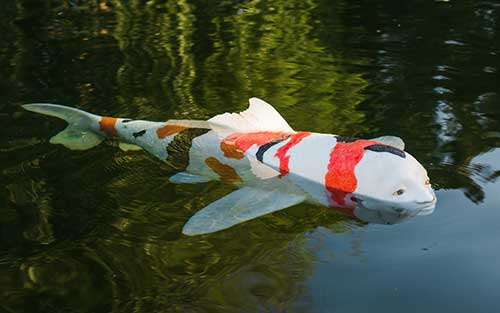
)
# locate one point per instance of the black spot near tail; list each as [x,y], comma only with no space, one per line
[386,148]
[139,133]
[127,121]
[262,149]
[178,148]
[346,139]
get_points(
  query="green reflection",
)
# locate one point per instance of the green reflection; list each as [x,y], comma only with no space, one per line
[260,49]
[176,60]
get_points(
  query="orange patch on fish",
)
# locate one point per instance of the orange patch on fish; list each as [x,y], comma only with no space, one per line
[282,153]
[231,150]
[107,126]
[168,130]
[226,173]
[235,145]
[340,179]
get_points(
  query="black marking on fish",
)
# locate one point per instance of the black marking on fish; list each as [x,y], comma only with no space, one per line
[262,149]
[346,139]
[127,121]
[386,148]
[178,148]
[139,133]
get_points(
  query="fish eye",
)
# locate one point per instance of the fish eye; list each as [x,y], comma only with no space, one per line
[399,192]
[427,182]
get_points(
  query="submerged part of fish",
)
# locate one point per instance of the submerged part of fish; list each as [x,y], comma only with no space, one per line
[273,165]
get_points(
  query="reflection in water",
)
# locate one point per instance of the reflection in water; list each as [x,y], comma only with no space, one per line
[106,224]
[432,77]
[129,220]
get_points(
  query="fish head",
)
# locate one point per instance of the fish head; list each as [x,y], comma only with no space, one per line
[392,182]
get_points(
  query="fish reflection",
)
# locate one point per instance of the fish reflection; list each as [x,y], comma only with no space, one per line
[274,166]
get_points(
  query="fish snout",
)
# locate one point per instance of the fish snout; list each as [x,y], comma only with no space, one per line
[428,201]
[433,200]
[427,206]
[430,198]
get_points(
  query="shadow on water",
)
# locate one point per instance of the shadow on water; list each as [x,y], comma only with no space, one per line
[99,231]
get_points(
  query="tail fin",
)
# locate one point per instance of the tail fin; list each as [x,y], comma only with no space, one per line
[80,133]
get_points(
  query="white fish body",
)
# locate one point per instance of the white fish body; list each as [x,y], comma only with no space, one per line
[274,166]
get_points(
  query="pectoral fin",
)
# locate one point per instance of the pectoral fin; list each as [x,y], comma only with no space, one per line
[237,207]
[392,141]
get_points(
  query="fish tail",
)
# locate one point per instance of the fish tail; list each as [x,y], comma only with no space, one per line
[82,132]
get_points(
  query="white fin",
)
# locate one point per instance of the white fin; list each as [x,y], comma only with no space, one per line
[260,169]
[237,207]
[392,141]
[128,147]
[260,116]
[78,135]
[75,138]
[187,178]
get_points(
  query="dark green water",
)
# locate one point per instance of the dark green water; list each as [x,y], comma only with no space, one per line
[100,230]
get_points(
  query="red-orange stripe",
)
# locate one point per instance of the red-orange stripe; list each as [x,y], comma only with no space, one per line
[235,145]
[282,155]
[340,178]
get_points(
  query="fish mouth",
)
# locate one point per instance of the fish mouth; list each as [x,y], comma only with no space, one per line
[421,208]
[428,208]
[427,204]
[387,212]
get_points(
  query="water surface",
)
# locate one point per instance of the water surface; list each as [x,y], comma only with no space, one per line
[100,230]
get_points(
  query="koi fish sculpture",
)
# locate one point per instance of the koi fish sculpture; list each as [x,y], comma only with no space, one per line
[274,166]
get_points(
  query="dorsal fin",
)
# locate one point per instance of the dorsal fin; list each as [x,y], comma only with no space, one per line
[260,116]
[392,141]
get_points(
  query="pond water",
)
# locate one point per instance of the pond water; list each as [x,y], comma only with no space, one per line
[100,230]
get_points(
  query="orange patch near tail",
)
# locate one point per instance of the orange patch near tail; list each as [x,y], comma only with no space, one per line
[235,145]
[168,130]
[282,155]
[226,173]
[107,126]
[340,179]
